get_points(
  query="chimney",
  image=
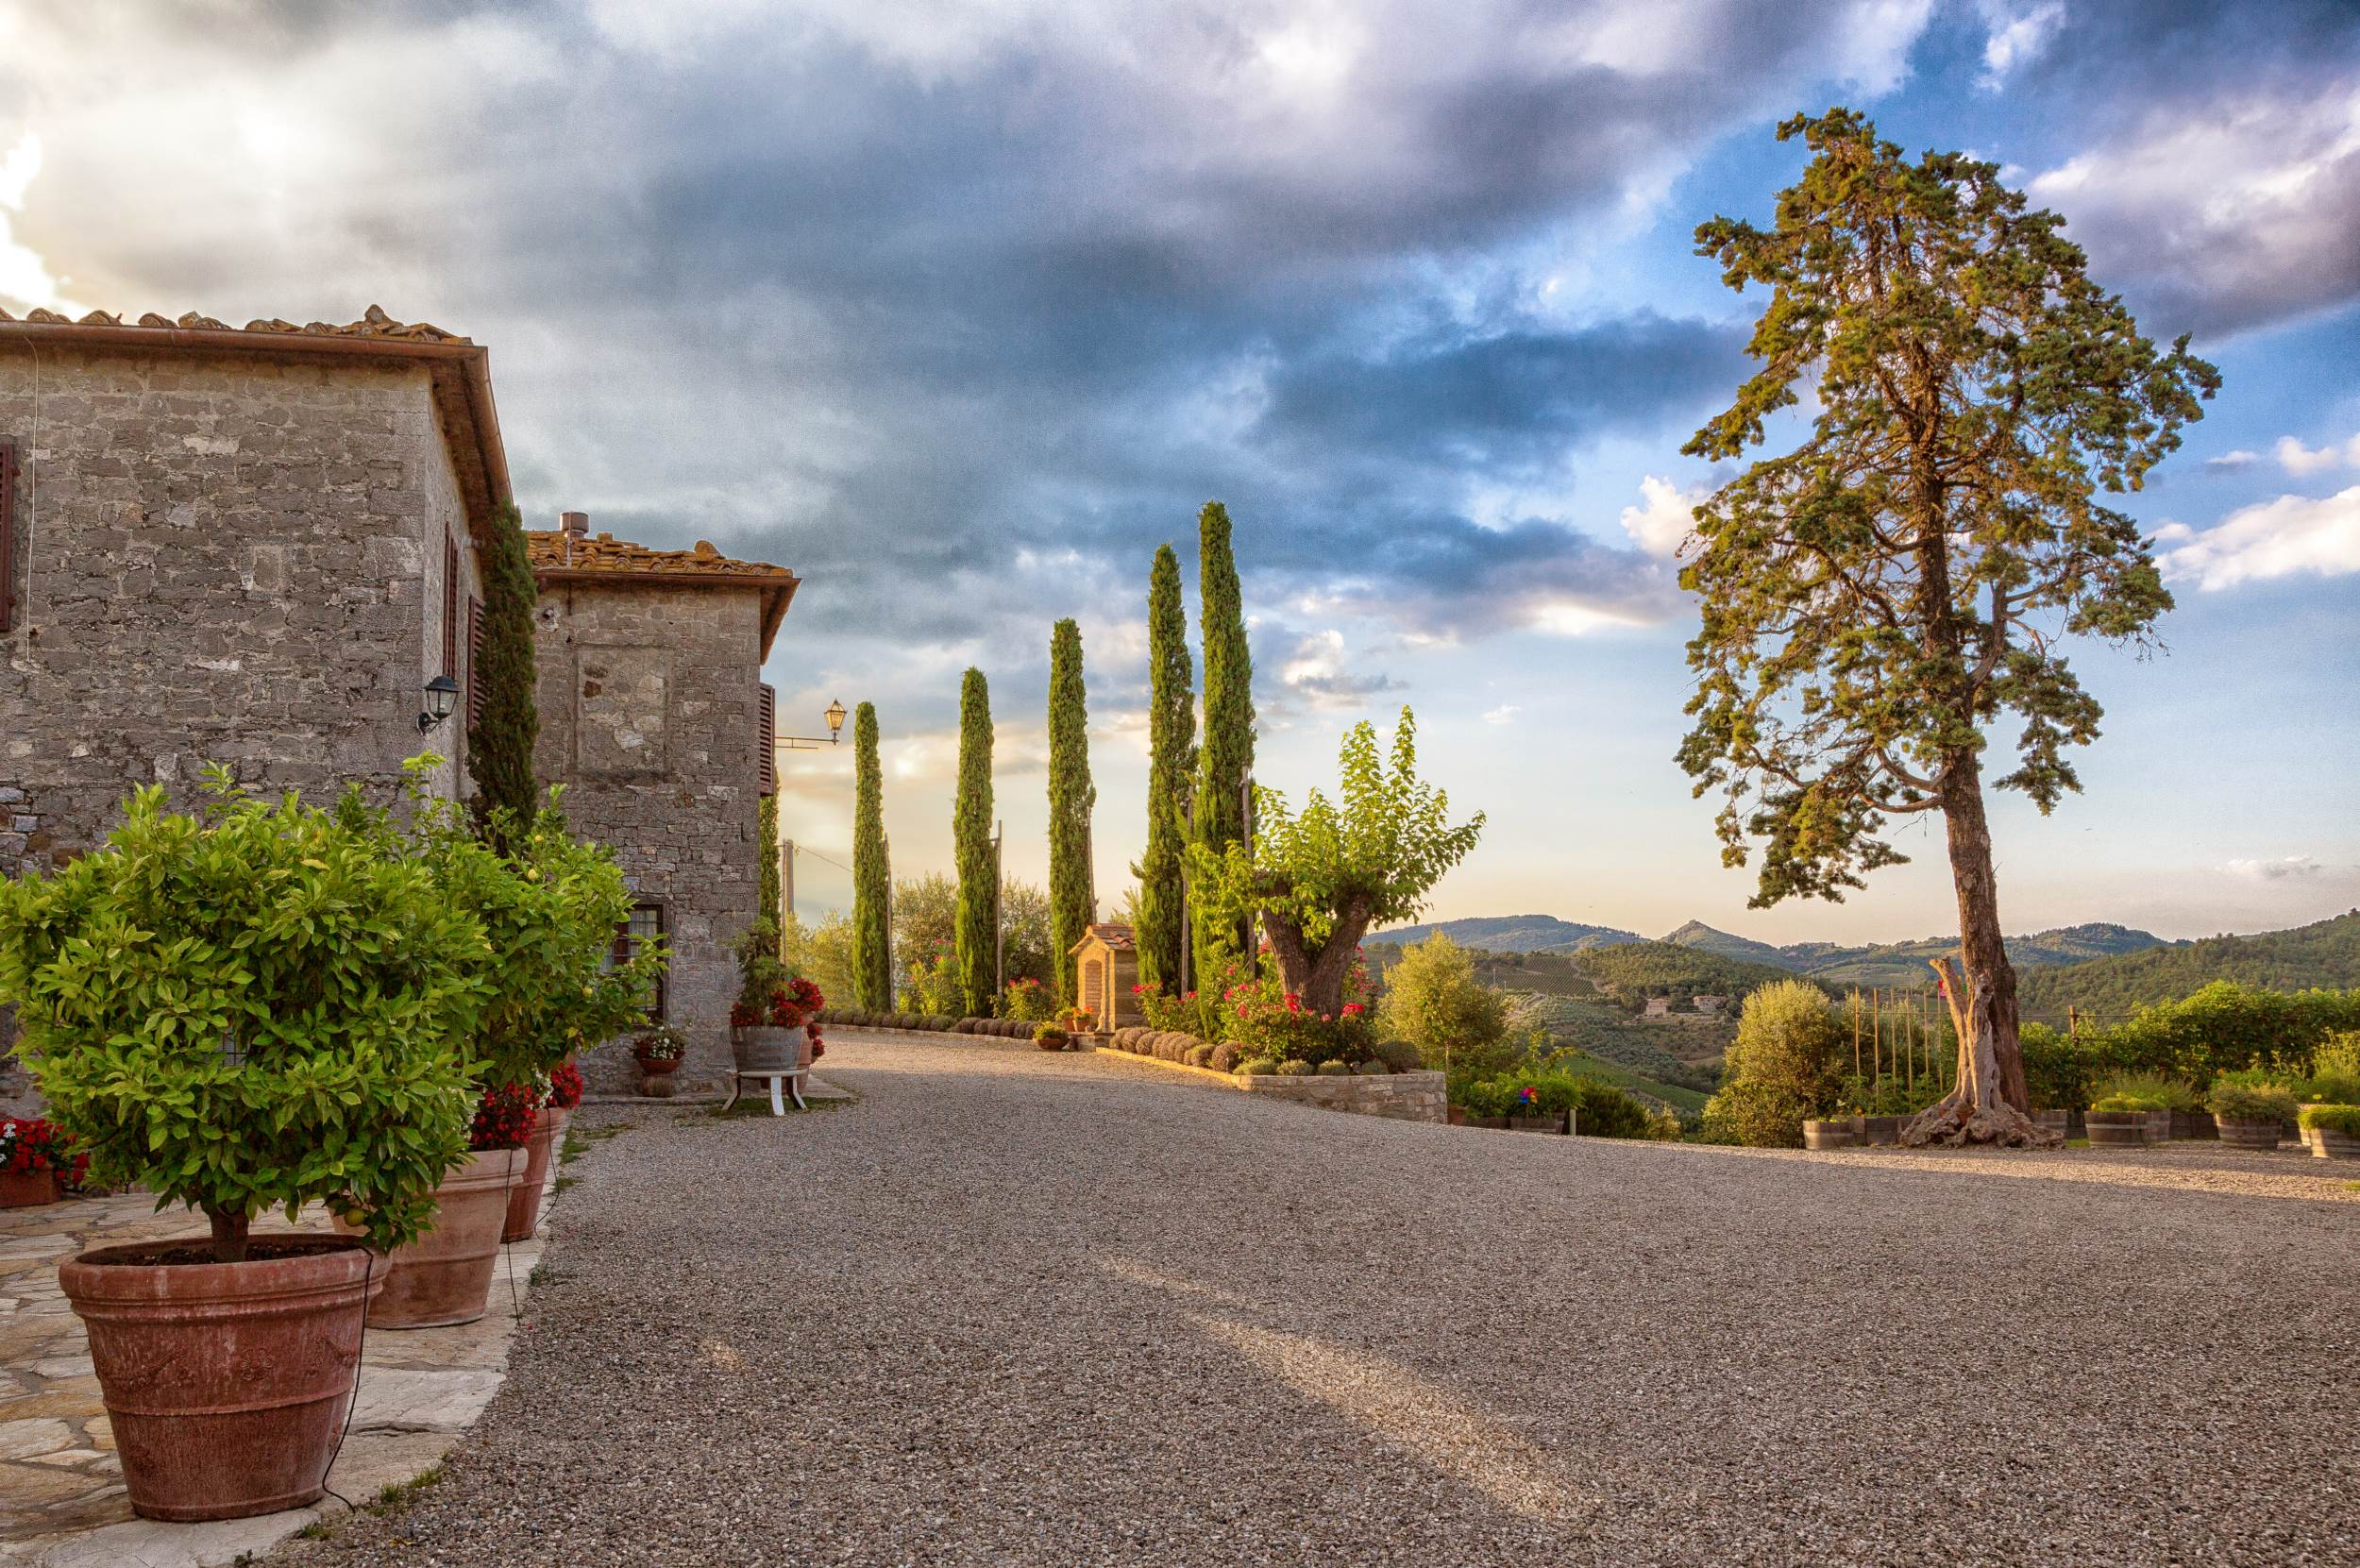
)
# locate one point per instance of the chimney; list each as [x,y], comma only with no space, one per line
[573,524]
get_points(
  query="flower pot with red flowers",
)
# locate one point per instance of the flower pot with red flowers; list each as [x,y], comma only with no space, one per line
[659,1052]
[774,1037]
[549,1137]
[321,990]
[35,1160]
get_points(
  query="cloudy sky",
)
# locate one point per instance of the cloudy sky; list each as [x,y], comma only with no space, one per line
[959,309]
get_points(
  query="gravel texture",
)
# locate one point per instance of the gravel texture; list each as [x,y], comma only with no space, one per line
[1012,1308]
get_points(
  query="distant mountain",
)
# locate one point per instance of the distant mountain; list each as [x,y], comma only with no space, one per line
[2326,954]
[1904,962]
[1513,934]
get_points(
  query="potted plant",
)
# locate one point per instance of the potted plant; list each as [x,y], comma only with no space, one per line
[1078,1021]
[1828,1132]
[658,1051]
[767,1021]
[35,1159]
[2120,1120]
[2332,1131]
[1527,1114]
[2251,1116]
[549,1136]
[248,1009]
[442,1276]
[1051,1037]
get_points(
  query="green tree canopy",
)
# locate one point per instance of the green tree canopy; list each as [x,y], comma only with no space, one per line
[504,724]
[1227,761]
[1908,573]
[873,872]
[1320,878]
[971,845]
[1433,1000]
[1170,765]
[1071,796]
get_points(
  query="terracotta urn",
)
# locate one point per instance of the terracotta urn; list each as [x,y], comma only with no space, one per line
[445,1276]
[28,1188]
[523,1199]
[226,1384]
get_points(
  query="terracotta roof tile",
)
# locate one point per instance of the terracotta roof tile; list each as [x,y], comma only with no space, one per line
[552,550]
[1115,936]
[375,323]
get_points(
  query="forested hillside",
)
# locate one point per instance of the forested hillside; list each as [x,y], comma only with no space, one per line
[1512,934]
[2325,954]
[1661,969]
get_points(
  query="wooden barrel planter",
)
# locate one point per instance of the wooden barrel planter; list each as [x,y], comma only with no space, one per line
[2117,1129]
[2248,1134]
[2060,1122]
[770,1049]
[1828,1133]
[2331,1143]
[1536,1123]
[2193,1124]
[2159,1126]
[1879,1131]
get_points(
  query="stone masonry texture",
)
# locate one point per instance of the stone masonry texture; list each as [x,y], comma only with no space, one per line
[649,700]
[220,558]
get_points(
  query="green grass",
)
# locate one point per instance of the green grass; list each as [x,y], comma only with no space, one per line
[578,1140]
[399,1494]
[1621,1077]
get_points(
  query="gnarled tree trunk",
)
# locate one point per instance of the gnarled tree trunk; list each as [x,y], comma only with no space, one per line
[1317,976]
[1976,1110]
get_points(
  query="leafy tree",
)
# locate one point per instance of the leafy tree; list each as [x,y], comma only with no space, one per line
[971,840]
[925,920]
[1071,796]
[822,953]
[1171,764]
[1319,879]
[1026,935]
[1433,1000]
[1226,760]
[505,723]
[873,876]
[1781,1068]
[773,893]
[1902,577]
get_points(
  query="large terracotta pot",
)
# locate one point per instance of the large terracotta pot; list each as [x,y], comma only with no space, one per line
[226,1384]
[523,1199]
[445,1276]
[28,1188]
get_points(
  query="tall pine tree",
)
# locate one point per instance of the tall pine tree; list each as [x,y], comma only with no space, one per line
[872,871]
[773,890]
[970,842]
[1172,763]
[503,722]
[1227,756]
[1071,795]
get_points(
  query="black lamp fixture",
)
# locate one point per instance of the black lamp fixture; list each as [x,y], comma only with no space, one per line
[835,716]
[442,700]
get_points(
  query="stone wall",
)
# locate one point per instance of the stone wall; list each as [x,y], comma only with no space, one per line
[219,558]
[1403,1096]
[650,699]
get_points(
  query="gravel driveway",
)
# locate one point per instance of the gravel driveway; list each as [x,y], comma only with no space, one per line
[1018,1308]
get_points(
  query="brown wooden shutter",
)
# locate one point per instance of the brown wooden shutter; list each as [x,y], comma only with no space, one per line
[475,661]
[7,535]
[451,606]
[769,766]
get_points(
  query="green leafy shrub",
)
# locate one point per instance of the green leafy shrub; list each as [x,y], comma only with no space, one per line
[2058,1069]
[1433,1000]
[2335,1068]
[1258,1067]
[251,1008]
[1604,1110]
[1373,1069]
[1780,1069]
[2239,1102]
[2227,1026]
[1199,1054]
[1484,1098]
[1399,1056]
[1027,1000]
[2158,1091]
[1334,1069]
[2113,1103]
[1887,1094]
[2334,1119]
[1295,1066]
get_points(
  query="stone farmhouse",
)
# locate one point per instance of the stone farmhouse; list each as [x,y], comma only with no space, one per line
[260,547]
[655,715]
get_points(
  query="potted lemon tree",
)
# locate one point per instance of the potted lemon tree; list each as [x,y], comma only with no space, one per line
[246,1009]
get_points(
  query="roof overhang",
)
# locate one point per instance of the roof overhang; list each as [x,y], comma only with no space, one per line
[776,588]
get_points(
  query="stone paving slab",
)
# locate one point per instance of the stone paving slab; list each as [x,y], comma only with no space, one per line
[62,1503]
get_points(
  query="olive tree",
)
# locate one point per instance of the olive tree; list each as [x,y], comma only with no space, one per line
[1909,573]
[1318,878]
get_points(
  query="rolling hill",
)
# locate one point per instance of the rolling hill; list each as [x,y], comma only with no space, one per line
[2326,954]
[1904,964]
[1513,934]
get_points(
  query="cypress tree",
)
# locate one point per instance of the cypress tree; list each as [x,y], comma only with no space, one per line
[873,874]
[971,843]
[504,722]
[1071,798]
[1227,756]
[1171,759]
[773,894]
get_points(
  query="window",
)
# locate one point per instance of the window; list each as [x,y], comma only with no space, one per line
[7,535]
[647,920]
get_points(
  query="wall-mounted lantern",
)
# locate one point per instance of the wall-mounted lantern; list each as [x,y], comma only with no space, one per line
[442,700]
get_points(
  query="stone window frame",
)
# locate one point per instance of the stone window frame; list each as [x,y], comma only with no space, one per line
[7,535]
[628,934]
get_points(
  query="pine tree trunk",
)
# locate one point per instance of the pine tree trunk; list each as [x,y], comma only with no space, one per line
[1989,1102]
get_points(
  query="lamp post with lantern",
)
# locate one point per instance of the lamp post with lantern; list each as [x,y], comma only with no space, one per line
[786,851]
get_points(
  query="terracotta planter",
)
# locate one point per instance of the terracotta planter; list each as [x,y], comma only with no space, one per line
[28,1188]
[1825,1134]
[523,1199]
[2117,1129]
[2248,1134]
[770,1048]
[226,1384]
[445,1276]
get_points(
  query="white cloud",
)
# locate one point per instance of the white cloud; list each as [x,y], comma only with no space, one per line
[2272,539]
[1502,714]
[2297,865]
[2298,459]
[2239,459]
[1664,520]
[25,277]
[2017,37]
